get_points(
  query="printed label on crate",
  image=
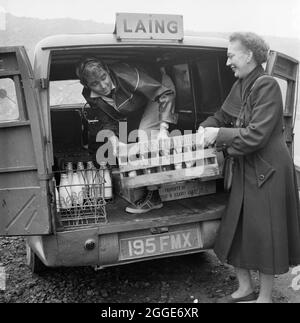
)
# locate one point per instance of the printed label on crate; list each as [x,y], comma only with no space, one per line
[186,189]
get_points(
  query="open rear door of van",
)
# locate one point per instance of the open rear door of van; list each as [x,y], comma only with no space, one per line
[285,70]
[24,190]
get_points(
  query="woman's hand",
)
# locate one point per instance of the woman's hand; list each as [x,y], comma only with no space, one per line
[210,135]
[162,136]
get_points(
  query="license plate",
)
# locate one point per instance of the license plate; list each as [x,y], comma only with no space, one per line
[151,245]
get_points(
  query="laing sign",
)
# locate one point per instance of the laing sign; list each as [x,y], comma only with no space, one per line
[149,26]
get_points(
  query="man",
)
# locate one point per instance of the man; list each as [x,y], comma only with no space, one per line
[125,92]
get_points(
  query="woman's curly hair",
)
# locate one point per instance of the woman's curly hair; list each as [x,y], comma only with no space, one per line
[254,43]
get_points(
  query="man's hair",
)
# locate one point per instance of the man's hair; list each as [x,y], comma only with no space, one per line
[88,65]
[254,43]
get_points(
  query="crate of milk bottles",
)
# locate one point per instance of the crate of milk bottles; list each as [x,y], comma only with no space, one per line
[174,159]
[81,193]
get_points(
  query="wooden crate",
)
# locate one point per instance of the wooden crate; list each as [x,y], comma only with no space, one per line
[143,164]
[167,192]
[129,194]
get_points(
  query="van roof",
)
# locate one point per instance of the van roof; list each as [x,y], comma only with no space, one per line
[83,40]
[67,49]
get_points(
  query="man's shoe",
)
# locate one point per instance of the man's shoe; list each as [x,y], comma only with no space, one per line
[151,202]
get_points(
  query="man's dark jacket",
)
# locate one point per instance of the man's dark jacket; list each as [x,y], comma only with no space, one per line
[133,89]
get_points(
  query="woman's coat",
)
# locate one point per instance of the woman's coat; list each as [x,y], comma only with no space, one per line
[260,229]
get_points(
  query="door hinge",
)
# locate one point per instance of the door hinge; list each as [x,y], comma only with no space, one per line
[42,83]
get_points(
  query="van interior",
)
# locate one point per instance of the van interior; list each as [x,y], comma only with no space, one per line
[202,81]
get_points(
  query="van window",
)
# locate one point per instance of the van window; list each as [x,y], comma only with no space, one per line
[283,87]
[9,110]
[181,77]
[66,92]
[208,85]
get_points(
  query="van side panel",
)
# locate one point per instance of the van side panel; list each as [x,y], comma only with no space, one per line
[25,201]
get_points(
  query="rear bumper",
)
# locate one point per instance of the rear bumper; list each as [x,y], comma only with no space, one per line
[88,247]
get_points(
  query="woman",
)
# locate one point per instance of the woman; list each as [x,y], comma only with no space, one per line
[260,229]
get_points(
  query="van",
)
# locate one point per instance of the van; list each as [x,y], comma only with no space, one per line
[44,124]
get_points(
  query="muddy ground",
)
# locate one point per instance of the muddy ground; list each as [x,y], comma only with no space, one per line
[181,279]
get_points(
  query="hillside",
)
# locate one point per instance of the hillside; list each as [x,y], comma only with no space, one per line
[28,31]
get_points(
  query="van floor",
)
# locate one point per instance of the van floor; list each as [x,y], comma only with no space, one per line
[200,208]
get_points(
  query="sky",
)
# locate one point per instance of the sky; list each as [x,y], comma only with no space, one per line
[266,17]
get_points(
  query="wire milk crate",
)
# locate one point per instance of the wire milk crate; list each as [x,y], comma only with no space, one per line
[80,195]
[174,159]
